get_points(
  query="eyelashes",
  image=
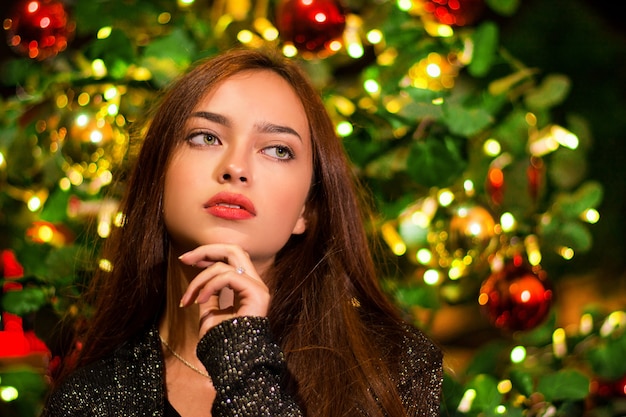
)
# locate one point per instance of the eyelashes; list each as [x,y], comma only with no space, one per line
[280,152]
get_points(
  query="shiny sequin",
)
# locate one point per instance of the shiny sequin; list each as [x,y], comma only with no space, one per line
[246,366]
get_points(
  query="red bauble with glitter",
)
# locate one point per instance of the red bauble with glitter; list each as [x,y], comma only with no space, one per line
[517,297]
[311,25]
[39,29]
[455,12]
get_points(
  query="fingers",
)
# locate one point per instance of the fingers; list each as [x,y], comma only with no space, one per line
[228,285]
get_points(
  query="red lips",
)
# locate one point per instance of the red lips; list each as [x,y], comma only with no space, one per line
[230,206]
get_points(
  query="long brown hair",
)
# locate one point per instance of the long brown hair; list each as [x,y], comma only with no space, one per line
[339,332]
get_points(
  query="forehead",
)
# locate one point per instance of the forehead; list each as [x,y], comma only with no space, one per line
[259,95]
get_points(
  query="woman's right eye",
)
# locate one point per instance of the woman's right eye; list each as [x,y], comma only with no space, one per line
[203,139]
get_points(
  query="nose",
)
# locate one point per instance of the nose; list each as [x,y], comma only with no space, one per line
[234,167]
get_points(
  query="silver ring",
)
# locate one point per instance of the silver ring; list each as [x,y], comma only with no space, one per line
[240,270]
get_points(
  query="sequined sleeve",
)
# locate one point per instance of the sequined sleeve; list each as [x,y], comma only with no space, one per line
[421,375]
[246,366]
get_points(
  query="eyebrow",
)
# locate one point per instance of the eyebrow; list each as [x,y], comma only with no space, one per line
[267,127]
[213,117]
[262,127]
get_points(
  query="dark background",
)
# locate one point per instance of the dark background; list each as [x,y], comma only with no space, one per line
[586,40]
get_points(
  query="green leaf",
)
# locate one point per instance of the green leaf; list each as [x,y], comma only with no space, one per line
[504,7]
[436,162]
[522,381]
[28,300]
[567,168]
[552,91]
[55,209]
[564,385]
[505,84]
[387,164]
[485,46]
[607,358]
[423,296]
[116,51]
[466,121]
[61,265]
[487,395]
[31,386]
[568,233]
[485,360]
[168,56]
[588,195]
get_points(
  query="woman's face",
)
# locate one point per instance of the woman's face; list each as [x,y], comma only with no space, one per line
[243,173]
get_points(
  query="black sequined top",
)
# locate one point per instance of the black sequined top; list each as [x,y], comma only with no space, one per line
[246,367]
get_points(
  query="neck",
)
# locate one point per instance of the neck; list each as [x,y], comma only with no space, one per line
[179,326]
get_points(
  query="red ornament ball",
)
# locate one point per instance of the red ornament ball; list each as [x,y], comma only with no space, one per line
[39,29]
[517,297]
[455,12]
[311,25]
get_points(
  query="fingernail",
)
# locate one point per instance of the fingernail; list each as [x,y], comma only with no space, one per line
[181,304]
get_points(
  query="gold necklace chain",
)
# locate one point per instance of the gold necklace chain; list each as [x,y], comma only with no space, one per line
[180,358]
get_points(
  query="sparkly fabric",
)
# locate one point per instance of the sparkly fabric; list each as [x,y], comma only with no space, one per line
[246,367]
[420,375]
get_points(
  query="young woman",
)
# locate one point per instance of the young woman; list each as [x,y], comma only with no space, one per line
[242,280]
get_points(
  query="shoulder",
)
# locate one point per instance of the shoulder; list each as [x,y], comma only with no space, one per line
[419,357]
[419,349]
[131,374]
[420,373]
[82,392]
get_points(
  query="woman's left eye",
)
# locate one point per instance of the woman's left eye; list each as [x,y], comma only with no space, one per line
[279,152]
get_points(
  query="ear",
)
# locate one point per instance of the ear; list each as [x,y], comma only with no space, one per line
[300,226]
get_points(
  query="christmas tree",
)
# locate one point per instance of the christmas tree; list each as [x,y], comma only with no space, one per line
[479,175]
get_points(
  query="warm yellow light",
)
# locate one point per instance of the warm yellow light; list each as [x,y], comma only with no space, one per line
[405,5]
[371,86]
[34,203]
[104,32]
[505,386]
[518,354]
[393,239]
[559,345]
[98,68]
[289,50]
[45,233]
[164,18]
[566,253]
[104,228]
[564,137]
[433,70]
[424,256]
[431,277]
[508,222]
[105,265]
[355,50]
[245,36]
[334,46]
[590,215]
[374,36]
[8,394]
[586,324]
[65,184]
[83,99]
[465,405]
[492,147]
[446,197]
[344,129]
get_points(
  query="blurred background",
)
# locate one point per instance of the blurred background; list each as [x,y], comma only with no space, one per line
[489,132]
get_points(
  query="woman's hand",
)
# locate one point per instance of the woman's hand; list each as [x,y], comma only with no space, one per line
[227,287]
